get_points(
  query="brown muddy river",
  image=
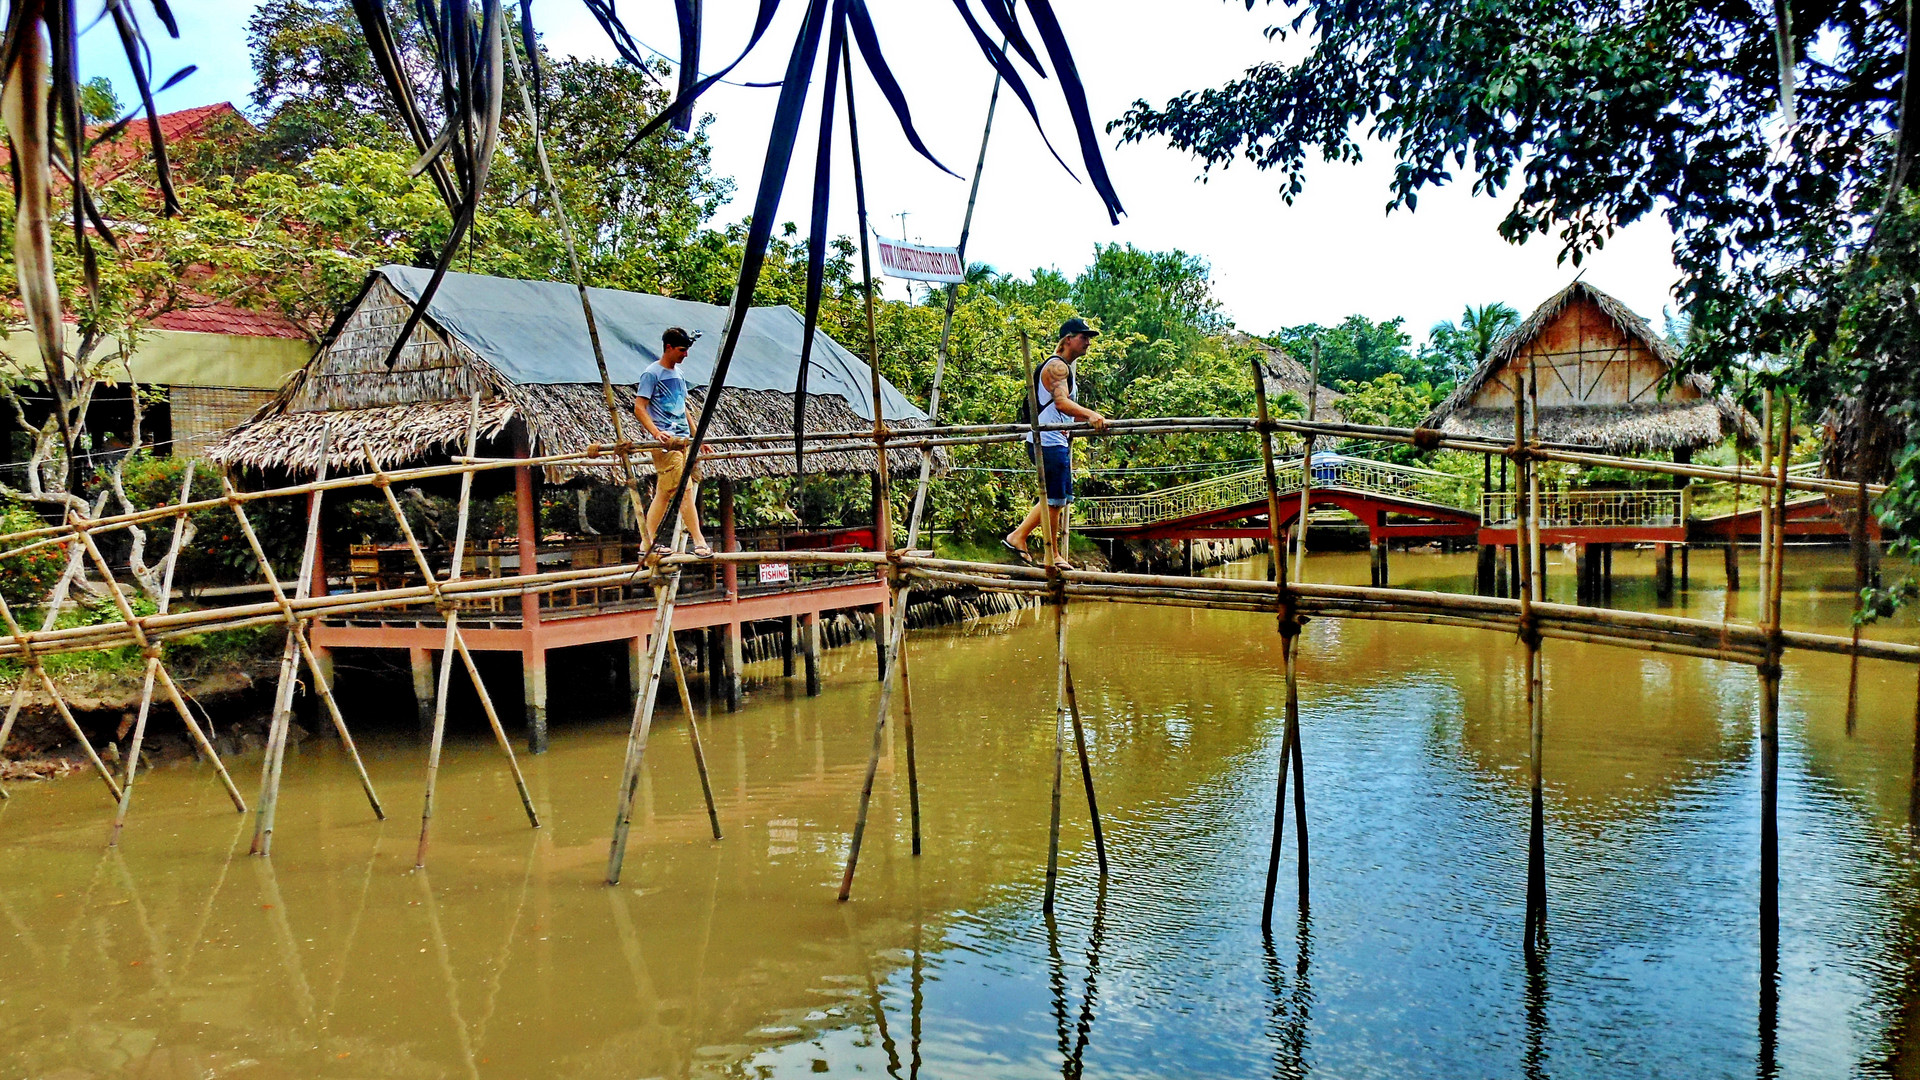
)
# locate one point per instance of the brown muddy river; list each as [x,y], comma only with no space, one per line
[179,956]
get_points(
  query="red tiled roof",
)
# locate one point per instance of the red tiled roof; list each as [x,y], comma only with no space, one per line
[109,160]
[218,318]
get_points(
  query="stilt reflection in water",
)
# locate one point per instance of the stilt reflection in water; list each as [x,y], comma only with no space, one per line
[1292,1001]
[1535,1061]
[1073,1054]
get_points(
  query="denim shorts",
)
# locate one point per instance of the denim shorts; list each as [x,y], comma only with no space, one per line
[1059,474]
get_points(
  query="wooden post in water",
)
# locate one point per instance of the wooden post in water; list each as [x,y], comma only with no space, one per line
[1086,777]
[1774,542]
[693,735]
[1527,532]
[1288,625]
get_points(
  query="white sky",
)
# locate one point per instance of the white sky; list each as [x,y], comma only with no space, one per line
[1332,253]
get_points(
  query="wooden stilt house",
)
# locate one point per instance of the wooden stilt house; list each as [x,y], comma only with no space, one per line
[523,347]
[1602,379]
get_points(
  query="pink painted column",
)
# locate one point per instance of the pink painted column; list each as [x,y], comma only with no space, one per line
[533,676]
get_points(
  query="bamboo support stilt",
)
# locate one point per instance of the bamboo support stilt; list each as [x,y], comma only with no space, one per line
[1287,622]
[152,669]
[56,596]
[1535,933]
[273,761]
[39,671]
[1769,741]
[693,734]
[913,768]
[1086,775]
[642,726]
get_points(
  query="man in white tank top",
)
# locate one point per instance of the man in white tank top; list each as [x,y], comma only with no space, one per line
[1056,387]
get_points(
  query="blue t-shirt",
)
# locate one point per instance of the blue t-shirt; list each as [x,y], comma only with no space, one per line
[666,394]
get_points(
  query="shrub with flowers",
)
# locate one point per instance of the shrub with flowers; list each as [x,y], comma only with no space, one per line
[26,578]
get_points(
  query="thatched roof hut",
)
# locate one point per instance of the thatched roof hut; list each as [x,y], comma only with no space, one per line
[1605,380]
[1285,375]
[524,346]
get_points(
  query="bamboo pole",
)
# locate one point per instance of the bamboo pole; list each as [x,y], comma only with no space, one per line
[34,665]
[913,767]
[152,664]
[662,643]
[1769,748]
[1086,777]
[19,696]
[1859,540]
[272,762]
[1306,459]
[1288,625]
[1527,508]
[1766,512]
[693,733]
[454,643]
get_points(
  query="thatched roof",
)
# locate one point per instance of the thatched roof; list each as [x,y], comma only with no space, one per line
[1664,414]
[1285,375]
[418,410]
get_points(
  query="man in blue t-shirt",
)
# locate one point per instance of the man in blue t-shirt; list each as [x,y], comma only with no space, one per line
[660,404]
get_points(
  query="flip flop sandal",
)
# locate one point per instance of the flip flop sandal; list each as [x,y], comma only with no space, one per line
[1019,553]
[703,552]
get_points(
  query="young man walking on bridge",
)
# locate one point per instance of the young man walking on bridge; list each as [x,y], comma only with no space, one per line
[660,404]
[1055,386]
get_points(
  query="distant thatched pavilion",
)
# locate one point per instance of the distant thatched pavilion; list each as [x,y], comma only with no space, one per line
[523,347]
[1604,381]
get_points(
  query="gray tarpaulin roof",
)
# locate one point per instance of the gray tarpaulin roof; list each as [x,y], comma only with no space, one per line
[533,332]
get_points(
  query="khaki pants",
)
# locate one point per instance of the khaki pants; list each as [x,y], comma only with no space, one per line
[667,467]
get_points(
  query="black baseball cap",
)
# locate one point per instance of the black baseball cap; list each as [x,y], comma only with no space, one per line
[1074,326]
[676,336]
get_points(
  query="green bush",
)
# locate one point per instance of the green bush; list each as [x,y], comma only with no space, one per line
[219,553]
[26,578]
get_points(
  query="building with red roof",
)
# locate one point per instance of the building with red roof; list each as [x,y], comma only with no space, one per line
[217,362]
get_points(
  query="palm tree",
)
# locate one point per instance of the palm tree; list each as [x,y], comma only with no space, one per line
[1455,349]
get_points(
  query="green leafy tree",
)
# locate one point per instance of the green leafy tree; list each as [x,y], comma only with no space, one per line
[1154,296]
[1453,349]
[1781,156]
[1358,349]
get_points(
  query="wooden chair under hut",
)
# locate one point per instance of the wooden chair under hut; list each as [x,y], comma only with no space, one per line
[523,347]
[1602,380]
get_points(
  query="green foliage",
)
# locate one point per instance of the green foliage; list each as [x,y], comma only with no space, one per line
[98,103]
[26,578]
[1795,239]
[218,553]
[1356,350]
[1160,301]
[1389,400]
[1453,349]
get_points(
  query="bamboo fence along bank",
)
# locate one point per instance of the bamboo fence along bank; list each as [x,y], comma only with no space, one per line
[1762,645]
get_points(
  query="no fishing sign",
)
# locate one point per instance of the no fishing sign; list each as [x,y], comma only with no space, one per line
[919,262]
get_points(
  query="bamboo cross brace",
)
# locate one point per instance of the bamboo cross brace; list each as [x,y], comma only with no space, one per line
[154,667]
[273,760]
[693,735]
[32,660]
[55,597]
[137,630]
[643,708]
[1287,623]
[455,643]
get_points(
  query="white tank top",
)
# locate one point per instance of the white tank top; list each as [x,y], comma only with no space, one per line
[1049,412]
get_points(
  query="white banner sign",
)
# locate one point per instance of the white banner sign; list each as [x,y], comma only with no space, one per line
[918,262]
[773,572]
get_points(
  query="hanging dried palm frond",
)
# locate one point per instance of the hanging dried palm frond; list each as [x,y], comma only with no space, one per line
[46,130]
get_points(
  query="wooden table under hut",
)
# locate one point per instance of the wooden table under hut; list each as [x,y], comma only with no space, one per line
[523,348]
[1602,381]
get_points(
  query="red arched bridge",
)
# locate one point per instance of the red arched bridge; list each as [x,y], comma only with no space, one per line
[1397,502]
[1402,502]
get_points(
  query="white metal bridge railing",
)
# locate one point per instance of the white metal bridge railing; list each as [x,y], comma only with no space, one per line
[1589,509]
[1250,486]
